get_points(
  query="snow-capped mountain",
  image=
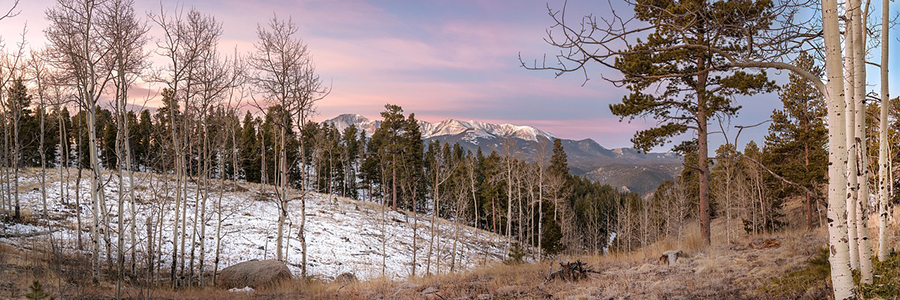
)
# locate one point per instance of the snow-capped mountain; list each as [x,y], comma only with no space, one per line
[585,157]
[343,121]
[471,131]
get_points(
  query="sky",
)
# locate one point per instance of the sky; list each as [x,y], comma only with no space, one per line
[439,59]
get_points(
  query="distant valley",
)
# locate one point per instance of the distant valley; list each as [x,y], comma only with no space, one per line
[623,168]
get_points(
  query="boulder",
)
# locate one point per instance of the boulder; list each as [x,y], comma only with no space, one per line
[255,274]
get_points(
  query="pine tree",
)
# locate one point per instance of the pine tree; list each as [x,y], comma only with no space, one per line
[18,101]
[250,150]
[559,164]
[797,137]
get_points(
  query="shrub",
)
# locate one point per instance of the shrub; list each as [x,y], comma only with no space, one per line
[887,279]
[516,255]
[37,292]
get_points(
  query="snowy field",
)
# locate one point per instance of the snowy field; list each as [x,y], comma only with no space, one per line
[343,235]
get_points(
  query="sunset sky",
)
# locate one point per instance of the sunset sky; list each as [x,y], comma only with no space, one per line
[438,59]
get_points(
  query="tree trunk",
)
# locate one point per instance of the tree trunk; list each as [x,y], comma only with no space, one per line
[862,162]
[434,211]
[120,195]
[95,193]
[841,278]
[79,151]
[303,187]
[850,114]
[177,161]
[509,184]
[702,151]
[884,165]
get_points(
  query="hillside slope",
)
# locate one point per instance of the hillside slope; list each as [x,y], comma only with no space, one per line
[343,235]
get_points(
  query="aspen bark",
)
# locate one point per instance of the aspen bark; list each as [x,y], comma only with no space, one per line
[850,115]
[884,164]
[842,281]
[862,165]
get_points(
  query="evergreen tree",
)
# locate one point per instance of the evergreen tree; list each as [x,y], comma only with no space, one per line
[795,145]
[141,139]
[559,164]
[697,85]
[350,152]
[250,163]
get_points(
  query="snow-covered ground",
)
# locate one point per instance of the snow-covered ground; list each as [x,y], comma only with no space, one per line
[343,235]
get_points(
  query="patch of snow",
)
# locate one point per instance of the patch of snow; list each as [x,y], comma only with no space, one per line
[246,289]
[343,235]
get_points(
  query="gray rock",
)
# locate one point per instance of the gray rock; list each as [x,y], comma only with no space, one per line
[255,274]
[671,257]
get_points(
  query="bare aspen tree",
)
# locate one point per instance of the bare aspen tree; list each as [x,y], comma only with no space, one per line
[126,35]
[509,149]
[884,164]
[5,77]
[216,78]
[861,163]
[277,59]
[72,37]
[40,75]
[850,115]
[170,46]
[17,101]
[286,76]
[543,151]
[443,170]
[185,42]
[837,188]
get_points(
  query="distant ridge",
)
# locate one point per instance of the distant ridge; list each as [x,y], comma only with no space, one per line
[624,168]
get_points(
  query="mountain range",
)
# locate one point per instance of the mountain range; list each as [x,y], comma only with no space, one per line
[624,168]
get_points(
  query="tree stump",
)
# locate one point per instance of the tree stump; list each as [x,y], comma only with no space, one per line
[670,257]
[572,271]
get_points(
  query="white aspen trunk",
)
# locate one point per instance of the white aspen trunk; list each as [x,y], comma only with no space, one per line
[303,184]
[120,203]
[16,158]
[434,212]
[107,229]
[474,197]
[78,183]
[415,234]
[508,197]
[883,162]
[205,197]
[218,229]
[282,181]
[541,209]
[43,159]
[460,203]
[178,179]
[862,161]
[95,194]
[129,166]
[842,281]
[186,173]
[850,115]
